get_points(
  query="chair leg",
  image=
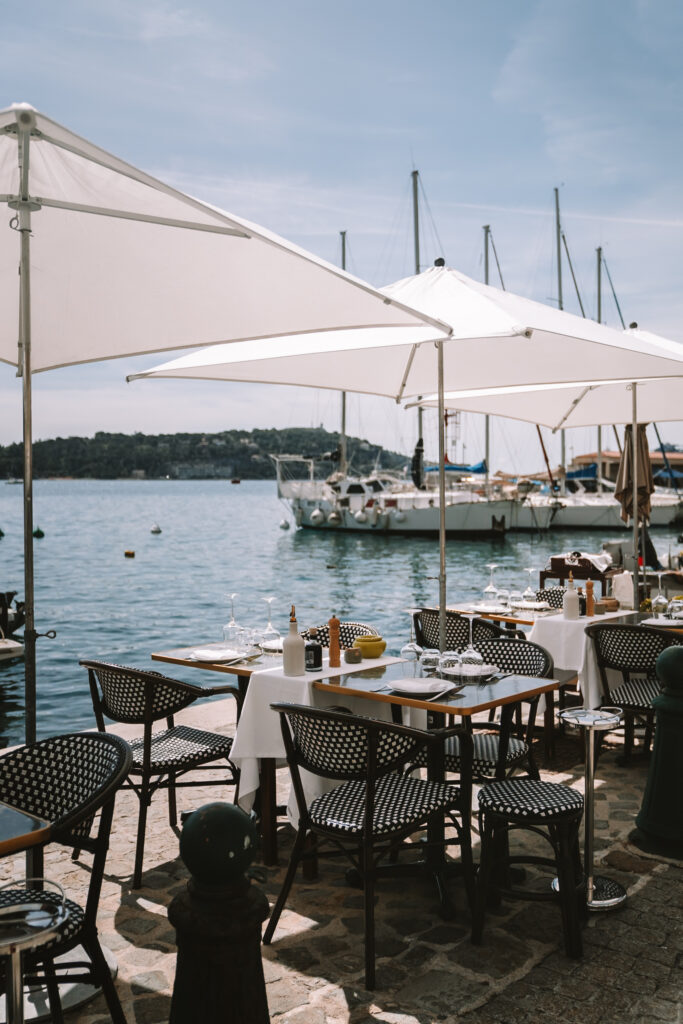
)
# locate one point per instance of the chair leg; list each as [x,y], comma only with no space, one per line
[53,992]
[172,807]
[566,835]
[101,971]
[483,877]
[629,731]
[145,800]
[369,908]
[297,850]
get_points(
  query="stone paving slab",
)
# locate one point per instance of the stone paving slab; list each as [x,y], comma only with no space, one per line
[427,969]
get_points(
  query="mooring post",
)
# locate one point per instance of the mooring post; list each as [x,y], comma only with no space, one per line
[219,972]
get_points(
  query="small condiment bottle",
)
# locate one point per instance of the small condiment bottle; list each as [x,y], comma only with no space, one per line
[335,650]
[314,651]
[293,649]
[570,601]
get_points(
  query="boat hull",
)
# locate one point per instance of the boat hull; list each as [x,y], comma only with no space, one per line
[589,514]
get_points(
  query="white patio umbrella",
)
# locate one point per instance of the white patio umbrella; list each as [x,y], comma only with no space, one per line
[497,338]
[113,262]
[587,404]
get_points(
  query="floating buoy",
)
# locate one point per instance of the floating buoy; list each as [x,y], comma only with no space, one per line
[317,517]
[155,529]
[284,524]
[38,533]
[129,554]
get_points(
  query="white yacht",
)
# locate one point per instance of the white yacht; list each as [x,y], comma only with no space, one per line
[585,510]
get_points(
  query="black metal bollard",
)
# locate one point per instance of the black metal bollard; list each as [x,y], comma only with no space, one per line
[660,819]
[219,971]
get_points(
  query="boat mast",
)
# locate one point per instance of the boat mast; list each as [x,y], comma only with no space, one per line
[342,436]
[560,305]
[416,244]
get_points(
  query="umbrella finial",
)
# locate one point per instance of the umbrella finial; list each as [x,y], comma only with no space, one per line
[439,262]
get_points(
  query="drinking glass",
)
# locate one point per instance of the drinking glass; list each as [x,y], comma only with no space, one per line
[515,598]
[411,653]
[675,609]
[504,597]
[529,594]
[660,604]
[271,638]
[429,662]
[231,629]
[491,590]
[450,666]
[470,660]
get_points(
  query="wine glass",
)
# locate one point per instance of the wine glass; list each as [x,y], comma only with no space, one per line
[411,653]
[270,637]
[231,629]
[470,659]
[660,604]
[529,594]
[491,590]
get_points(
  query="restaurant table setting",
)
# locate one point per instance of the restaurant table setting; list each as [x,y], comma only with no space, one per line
[259,735]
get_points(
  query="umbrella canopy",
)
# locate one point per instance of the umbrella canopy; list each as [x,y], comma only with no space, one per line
[122,264]
[640,483]
[113,262]
[497,340]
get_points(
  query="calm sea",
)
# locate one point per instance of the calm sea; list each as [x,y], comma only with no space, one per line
[216,538]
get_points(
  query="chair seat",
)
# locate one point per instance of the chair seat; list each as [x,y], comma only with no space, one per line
[71,928]
[400,802]
[637,693]
[485,757]
[181,747]
[529,799]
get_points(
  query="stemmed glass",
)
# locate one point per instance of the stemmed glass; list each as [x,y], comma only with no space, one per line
[660,604]
[491,590]
[270,637]
[231,630]
[411,653]
[529,594]
[470,659]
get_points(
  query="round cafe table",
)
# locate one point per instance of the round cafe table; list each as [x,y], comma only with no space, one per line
[601,893]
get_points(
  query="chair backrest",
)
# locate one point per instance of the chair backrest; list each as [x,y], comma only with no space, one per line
[510,655]
[630,649]
[348,632]
[426,625]
[553,595]
[65,780]
[135,696]
[338,745]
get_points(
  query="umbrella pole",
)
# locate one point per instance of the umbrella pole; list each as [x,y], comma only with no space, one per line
[442,502]
[23,207]
[634,460]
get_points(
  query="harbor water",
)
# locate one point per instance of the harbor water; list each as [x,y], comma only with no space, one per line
[216,539]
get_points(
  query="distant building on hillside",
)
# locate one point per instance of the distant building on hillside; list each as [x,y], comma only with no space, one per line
[611,460]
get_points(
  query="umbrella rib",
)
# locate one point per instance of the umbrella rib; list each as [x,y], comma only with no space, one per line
[406,373]
[170,222]
[573,406]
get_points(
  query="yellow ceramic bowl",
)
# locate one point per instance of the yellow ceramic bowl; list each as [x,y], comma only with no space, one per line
[371,646]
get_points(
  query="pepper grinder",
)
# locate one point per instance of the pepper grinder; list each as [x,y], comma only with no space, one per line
[590,599]
[335,659]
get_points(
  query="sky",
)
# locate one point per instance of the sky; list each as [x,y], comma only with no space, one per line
[309,117]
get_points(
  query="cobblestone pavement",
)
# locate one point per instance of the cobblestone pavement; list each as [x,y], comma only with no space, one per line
[427,969]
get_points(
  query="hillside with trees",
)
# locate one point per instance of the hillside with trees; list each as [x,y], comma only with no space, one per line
[232,453]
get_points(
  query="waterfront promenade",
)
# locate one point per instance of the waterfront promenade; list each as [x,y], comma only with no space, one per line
[427,970]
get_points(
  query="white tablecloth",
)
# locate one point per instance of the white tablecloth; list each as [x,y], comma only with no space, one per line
[566,640]
[258,732]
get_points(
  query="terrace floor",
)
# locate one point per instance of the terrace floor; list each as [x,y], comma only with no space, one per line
[427,970]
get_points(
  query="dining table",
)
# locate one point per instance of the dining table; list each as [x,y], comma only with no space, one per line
[364,689]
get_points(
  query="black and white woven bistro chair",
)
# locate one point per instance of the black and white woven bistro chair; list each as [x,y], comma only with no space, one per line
[498,748]
[553,595]
[160,759]
[551,811]
[375,806]
[426,627]
[348,633]
[631,651]
[67,780]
